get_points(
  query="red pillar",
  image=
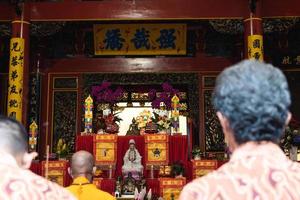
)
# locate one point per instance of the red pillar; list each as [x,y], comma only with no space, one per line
[253,26]
[20,28]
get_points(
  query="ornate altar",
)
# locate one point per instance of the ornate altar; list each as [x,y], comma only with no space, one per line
[203,167]
[57,171]
[157,149]
[170,188]
[105,149]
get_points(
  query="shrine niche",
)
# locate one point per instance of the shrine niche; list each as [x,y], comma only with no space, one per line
[124,99]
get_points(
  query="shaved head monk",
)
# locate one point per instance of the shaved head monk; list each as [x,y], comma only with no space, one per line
[17,182]
[82,170]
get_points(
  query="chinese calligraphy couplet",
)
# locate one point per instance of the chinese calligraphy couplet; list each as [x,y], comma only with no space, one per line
[15,83]
[255,47]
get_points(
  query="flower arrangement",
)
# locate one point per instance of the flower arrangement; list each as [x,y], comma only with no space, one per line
[196,152]
[62,148]
[165,96]
[143,118]
[177,169]
[104,94]
[162,122]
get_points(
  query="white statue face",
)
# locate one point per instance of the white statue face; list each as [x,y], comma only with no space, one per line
[132,146]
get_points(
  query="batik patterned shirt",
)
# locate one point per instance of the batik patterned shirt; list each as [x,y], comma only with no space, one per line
[21,184]
[254,172]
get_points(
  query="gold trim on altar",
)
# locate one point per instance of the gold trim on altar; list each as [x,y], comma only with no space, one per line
[170,188]
[140,39]
[203,167]
[56,171]
[157,149]
[105,149]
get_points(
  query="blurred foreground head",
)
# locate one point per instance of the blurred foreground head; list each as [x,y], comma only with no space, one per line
[252,101]
[13,140]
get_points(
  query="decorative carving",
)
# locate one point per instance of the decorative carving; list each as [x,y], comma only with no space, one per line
[65,82]
[214,138]
[227,26]
[43,29]
[279,24]
[5,29]
[64,117]
[34,101]
[235,26]
[209,81]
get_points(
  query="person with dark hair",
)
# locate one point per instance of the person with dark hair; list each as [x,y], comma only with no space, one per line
[252,102]
[17,182]
[82,170]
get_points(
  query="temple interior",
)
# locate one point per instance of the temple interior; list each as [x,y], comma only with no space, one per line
[134,80]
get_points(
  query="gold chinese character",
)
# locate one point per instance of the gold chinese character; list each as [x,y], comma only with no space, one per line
[297,59]
[286,60]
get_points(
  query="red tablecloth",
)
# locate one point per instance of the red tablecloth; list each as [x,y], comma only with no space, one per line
[153,184]
[108,185]
[36,167]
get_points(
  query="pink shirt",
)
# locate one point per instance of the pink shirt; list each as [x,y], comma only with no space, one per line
[17,183]
[254,172]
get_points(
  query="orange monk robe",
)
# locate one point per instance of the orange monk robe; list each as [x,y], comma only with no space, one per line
[84,190]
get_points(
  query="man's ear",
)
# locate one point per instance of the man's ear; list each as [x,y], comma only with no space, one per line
[227,131]
[27,159]
[224,122]
[94,170]
[70,172]
[288,119]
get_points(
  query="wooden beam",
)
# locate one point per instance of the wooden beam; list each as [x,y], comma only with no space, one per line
[275,9]
[6,12]
[137,10]
[117,65]
[149,10]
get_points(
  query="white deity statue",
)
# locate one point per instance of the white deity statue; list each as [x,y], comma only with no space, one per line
[132,162]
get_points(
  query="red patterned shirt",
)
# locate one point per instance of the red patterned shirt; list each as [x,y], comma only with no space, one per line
[255,172]
[17,183]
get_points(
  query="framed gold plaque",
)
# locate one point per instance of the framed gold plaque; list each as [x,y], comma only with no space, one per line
[157,149]
[105,149]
